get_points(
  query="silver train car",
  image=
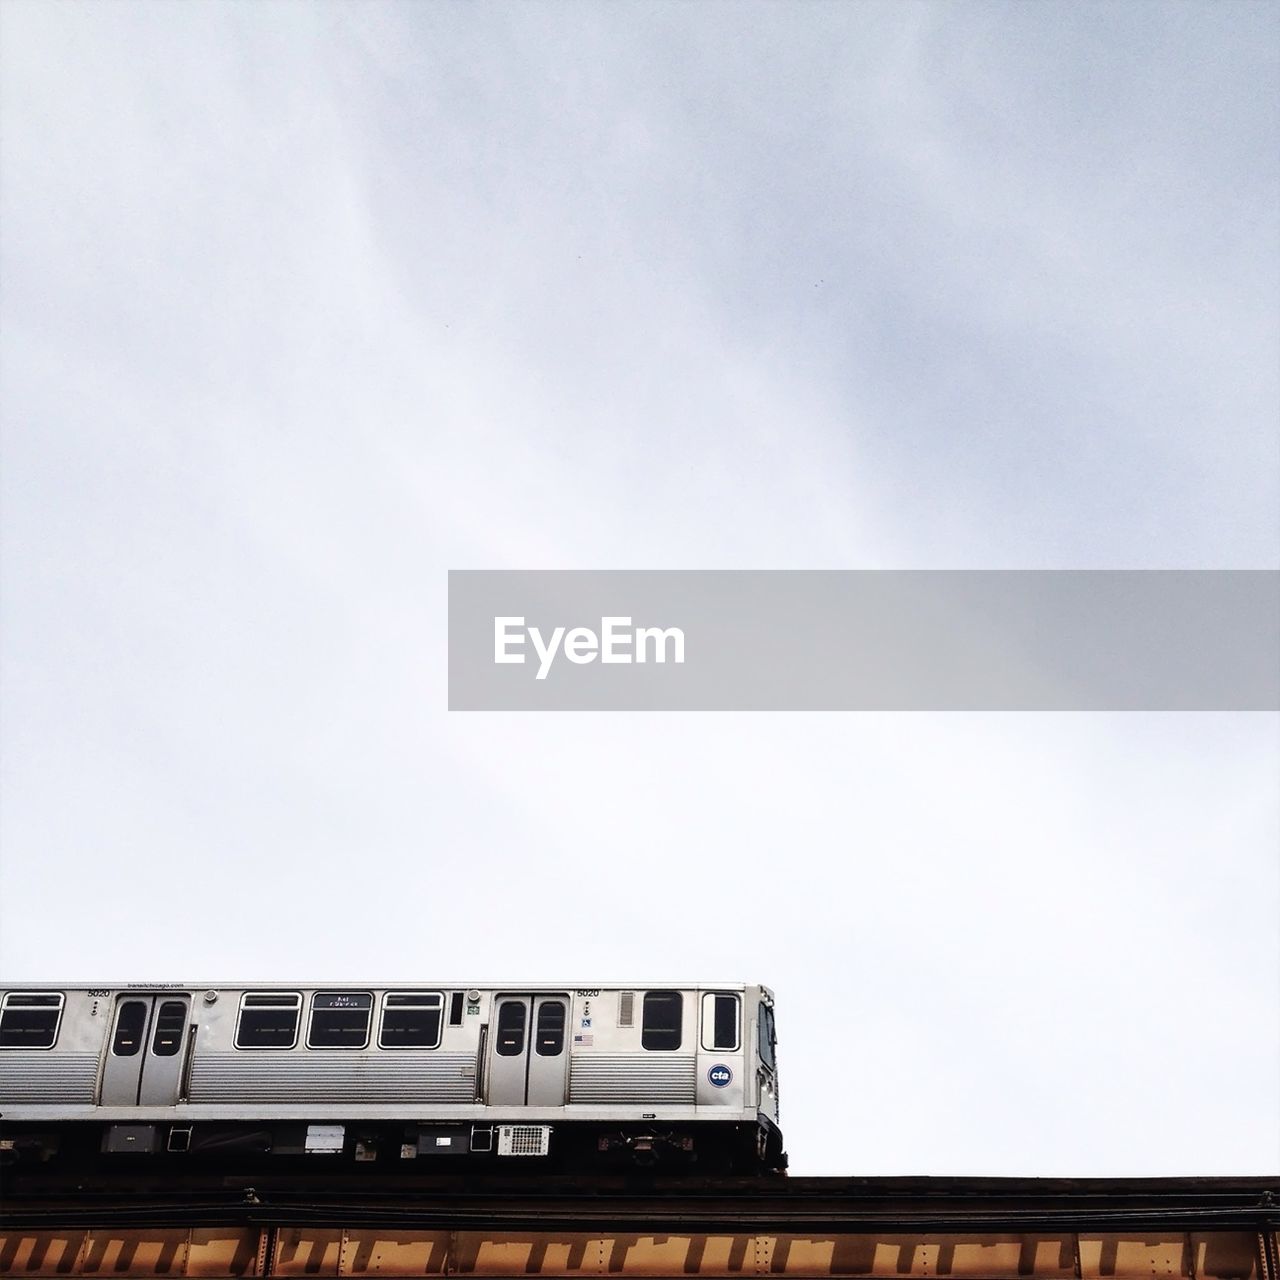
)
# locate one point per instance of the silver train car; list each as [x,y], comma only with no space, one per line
[408,1075]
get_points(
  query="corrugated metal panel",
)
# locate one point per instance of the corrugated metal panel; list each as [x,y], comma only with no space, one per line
[32,1076]
[333,1077]
[629,1077]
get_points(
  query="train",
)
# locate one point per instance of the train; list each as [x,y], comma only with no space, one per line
[406,1075]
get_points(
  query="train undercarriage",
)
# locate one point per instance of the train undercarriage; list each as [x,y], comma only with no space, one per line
[707,1148]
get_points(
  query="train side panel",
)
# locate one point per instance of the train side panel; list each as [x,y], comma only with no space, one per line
[609,1069]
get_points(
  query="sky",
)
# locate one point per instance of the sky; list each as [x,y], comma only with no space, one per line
[305,305]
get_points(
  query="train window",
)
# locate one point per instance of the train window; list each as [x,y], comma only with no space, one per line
[455,1009]
[340,1020]
[171,1021]
[511,1020]
[768,1036]
[549,1038]
[131,1026]
[720,1021]
[30,1020]
[660,1022]
[268,1020]
[411,1020]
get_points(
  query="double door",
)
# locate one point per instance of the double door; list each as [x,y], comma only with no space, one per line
[528,1054]
[145,1053]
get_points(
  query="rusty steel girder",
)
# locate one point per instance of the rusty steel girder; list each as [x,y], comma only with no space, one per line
[376,1251]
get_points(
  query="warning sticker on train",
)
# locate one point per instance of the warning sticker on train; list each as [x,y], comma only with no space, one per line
[719,1075]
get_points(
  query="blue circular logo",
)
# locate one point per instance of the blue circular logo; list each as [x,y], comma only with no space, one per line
[720,1075]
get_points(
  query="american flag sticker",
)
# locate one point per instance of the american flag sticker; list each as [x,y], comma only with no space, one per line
[586,1041]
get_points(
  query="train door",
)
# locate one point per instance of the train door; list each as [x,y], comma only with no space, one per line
[144,1056]
[527,1060]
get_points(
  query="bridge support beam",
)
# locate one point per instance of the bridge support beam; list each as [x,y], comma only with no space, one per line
[304,1250]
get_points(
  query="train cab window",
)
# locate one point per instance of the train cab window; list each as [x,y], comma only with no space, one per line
[29,1020]
[511,1023]
[340,1020]
[411,1020]
[768,1036]
[268,1020]
[549,1036]
[720,1021]
[131,1026]
[171,1022]
[660,1022]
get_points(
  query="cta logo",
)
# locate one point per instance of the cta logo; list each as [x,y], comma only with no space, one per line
[720,1075]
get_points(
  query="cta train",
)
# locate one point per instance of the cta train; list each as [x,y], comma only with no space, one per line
[406,1075]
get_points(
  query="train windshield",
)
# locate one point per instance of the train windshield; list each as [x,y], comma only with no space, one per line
[768,1036]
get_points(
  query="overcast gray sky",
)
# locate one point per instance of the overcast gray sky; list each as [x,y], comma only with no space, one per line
[305,305]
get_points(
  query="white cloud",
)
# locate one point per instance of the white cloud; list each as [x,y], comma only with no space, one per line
[303,310]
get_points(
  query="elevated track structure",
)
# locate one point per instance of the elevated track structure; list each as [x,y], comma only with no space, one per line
[865,1228]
